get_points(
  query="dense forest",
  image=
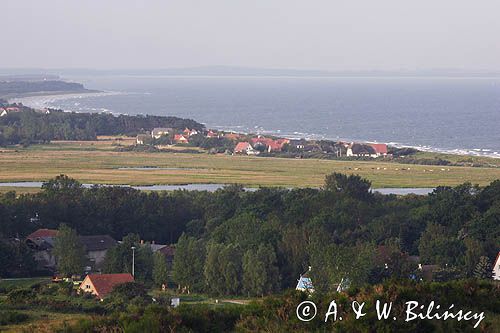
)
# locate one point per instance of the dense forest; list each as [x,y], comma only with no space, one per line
[30,126]
[253,243]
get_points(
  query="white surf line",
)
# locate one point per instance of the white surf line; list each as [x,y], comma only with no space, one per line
[44,101]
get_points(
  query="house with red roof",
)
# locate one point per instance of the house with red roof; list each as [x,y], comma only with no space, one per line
[189,132]
[179,138]
[232,136]
[380,149]
[101,285]
[367,149]
[42,235]
[42,242]
[277,145]
[212,134]
[9,109]
[270,144]
[245,148]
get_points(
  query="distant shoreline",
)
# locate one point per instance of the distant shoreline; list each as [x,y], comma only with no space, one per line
[249,71]
[42,99]
[11,97]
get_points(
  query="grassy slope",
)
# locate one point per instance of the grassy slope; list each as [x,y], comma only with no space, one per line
[96,162]
[42,321]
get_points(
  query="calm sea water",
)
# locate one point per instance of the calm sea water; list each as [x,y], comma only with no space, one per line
[460,115]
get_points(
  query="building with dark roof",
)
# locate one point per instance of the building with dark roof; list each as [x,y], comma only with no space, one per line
[361,150]
[42,242]
[96,248]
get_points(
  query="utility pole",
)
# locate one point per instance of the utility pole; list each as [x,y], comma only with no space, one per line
[133,261]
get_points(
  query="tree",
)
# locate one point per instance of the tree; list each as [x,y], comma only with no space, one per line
[332,263]
[144,263]
[69,252]
[437,246]
[119,258]
[61,185]
[16,259]
[230,266]
[260,273]
[129,291]
[213,270]
[474,251]
[443,274]
[483,268]
[352,185]
[188,263]
[223,269]
[160,270]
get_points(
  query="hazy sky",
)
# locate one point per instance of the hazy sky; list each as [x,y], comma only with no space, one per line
[312,34]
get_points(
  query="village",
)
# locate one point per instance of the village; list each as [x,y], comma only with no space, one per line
[93,281]
[256,144]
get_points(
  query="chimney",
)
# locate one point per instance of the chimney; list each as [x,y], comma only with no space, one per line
[152,242]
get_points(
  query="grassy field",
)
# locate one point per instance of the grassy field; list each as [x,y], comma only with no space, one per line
[44,321]
[23,282]
[97,162]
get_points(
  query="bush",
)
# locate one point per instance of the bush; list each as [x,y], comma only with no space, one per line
[12,317]
[20,296]
[129,291]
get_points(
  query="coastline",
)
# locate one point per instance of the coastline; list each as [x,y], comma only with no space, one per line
[44,100]
[476,152]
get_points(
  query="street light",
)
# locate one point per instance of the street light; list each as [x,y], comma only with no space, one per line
[133,261]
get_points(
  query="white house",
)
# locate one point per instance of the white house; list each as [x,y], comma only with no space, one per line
[158,132]
[304,283]
[245,148]
[9,109]
[367,150]
[189,132]
[141,139]
[496,268]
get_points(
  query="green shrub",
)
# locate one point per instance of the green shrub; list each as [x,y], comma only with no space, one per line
[20,296]
[12,317]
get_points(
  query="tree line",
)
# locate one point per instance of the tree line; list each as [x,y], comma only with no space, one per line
[30,126]
[253,243]
[21,87]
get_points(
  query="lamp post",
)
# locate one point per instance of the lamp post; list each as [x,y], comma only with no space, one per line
[133,261]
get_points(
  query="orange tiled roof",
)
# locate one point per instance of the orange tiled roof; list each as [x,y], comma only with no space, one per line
[104,283]
[380,148]
[41,233]
[241,146]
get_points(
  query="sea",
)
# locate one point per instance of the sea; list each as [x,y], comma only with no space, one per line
[441,114]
